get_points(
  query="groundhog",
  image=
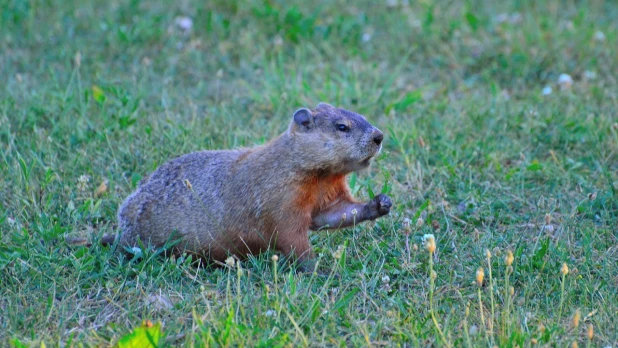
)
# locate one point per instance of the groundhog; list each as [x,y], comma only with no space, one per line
[213,204]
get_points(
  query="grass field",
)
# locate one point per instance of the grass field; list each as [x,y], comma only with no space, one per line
[96,94]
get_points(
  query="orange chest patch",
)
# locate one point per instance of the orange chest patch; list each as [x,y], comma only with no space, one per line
[318,192]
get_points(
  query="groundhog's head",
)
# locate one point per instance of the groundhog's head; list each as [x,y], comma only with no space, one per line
[336,140]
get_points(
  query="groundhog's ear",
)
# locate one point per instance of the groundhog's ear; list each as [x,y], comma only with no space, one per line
[303,118]
[325,106]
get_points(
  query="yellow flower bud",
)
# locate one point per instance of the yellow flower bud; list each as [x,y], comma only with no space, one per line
[430,243]
[509,258]
[431,247]
[565,269]
[230,261]
[480,274]
[433,275]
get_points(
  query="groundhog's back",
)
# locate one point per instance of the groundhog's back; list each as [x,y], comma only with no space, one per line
[183,200]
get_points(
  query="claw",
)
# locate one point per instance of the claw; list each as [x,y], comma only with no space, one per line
[384,204]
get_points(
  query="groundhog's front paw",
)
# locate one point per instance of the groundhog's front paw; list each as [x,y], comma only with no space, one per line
[383,204]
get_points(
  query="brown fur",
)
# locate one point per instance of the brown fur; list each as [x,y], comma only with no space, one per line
[245,201]
[316,193]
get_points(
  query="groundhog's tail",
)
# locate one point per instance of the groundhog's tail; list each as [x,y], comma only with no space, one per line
[106,240]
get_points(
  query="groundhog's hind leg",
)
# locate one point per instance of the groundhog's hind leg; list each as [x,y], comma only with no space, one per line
[134,217]
[347,213]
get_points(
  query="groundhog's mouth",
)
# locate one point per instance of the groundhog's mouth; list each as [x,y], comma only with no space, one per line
[368,158]
[366,161]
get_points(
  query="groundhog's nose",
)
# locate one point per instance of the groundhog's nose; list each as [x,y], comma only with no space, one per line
[378,137]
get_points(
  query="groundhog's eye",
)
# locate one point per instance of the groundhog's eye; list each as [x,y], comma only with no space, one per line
[343,128]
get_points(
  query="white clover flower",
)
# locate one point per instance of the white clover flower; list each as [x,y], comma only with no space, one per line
[549,228]
[501,18]
[599,36]
[565,81]
[338,253]
[136,251]
[12,222]
[547,90]
[82,182]
[184,23]
[473,330]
